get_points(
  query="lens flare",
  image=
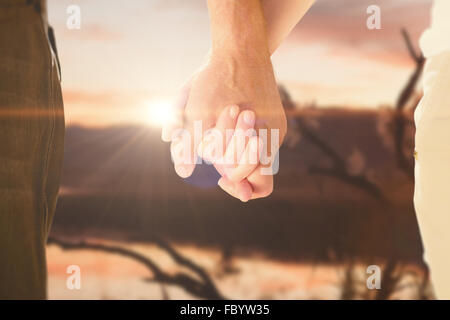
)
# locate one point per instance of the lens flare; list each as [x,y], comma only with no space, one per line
[159,112]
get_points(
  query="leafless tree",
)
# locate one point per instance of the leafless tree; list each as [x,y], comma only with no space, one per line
[400,120]
[197,282]
[338,170]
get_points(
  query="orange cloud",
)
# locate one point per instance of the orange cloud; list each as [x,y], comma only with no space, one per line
[94,32]
[342,27]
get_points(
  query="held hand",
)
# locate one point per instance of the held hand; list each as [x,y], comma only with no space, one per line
[224,82]
[243,175]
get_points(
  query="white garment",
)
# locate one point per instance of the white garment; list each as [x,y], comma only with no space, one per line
[436,39]
[432,170]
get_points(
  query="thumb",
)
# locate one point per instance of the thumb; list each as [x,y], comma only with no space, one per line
[177,112]
[183,156]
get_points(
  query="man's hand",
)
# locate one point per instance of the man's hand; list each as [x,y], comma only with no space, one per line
[238,73]
[221,83]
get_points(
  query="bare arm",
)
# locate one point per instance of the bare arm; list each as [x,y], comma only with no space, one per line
[238,29]
[278,16]
[239,72]
[281,17]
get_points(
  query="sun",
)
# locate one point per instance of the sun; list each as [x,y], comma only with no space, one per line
[159,112]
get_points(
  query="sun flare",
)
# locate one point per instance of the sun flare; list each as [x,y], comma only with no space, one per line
[159,112]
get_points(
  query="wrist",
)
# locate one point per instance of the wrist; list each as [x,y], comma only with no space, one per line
[238,30]
[256,59]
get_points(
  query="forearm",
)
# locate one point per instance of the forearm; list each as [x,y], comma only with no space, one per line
[238,29]
[281,17]
[253,25]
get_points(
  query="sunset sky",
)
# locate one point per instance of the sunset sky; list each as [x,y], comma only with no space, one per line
[130,56]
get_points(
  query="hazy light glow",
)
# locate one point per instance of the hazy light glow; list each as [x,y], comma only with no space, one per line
[160,112]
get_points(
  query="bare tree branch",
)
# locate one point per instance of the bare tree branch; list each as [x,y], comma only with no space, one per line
[400,122]
[408,90]
[185,262]
[416,56]
[338,169]
[358,181]
[203,288]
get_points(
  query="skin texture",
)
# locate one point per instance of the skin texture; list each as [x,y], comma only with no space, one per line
[237,75]
[281,17]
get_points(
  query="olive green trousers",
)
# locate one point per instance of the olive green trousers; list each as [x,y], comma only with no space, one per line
[31,148]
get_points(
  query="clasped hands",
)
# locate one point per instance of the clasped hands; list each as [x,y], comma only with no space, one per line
[233,103]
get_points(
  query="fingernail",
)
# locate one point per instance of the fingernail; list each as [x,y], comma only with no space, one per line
[249,118]
[234,111]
